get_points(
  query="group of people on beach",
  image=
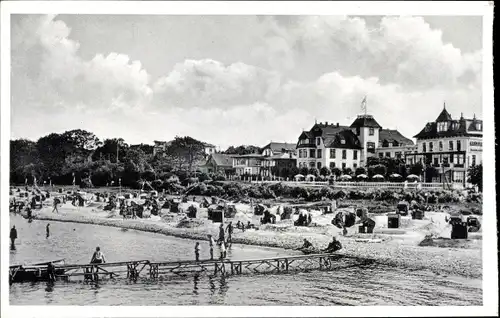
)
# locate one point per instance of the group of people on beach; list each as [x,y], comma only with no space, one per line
[223,242]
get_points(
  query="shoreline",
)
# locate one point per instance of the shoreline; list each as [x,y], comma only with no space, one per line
[441,261]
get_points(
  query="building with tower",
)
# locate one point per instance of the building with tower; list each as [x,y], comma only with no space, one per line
[338,146]
[450,146]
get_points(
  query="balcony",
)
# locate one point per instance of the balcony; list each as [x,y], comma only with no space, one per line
[446,165]
[458,165]
[436,165]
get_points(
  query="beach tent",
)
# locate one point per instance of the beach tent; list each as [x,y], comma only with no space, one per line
[345,177]
[310,177]
[378,176]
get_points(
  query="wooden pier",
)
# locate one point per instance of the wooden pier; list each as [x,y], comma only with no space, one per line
[154,270]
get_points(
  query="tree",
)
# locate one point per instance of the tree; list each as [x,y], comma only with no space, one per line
[324,171]
[304,171]
[475,176]
[293,172]
[360,170]
[377,169]
[185,152]
[336,172]
[242,150]
[372,161]
[347,171]
[416,169]
[430,173]
[314,172]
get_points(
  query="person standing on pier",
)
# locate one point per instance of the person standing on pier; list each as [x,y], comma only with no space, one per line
[13,237]
[47,230]
[229,230]
[211,242]
[197,251]
[221,233]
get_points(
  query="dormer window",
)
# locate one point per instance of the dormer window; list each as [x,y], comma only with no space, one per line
[395,143]
[318,141]
[478,126]
[385,143]
[442,126]
[342,141]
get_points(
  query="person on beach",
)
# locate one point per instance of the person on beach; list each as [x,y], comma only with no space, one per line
[222,250]
[13,237]
[211,242]
[221,233]
[98,257]
[229,230]
[56,203]
[51,272]
[333,246]
[47,230]
[197,251]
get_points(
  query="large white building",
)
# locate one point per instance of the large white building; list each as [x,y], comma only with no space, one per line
[451,146]
[336,146]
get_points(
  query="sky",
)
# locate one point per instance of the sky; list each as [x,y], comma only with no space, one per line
[232,80]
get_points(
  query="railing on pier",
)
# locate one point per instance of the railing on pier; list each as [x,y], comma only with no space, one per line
[133,269]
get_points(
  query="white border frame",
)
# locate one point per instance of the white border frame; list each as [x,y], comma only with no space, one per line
[479,8]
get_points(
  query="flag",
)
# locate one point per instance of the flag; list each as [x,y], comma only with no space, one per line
[26,180]
[74,179]
[363,104]
[34,180]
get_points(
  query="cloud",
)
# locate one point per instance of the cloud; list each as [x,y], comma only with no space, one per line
[296,70]
[404,50]
[46,64]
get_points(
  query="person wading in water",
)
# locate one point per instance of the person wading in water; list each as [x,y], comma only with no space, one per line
[229,230]
[211,242]
[47,230]
[56,203]
[13,237]
[221,233]
[97,258]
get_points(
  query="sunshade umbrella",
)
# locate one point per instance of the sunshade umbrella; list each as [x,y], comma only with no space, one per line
[378,176]
[298,176]
[413,176]
[310,176]
[362,176]
[395,175]
[345,177]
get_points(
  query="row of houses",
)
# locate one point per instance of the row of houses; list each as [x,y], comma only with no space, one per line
[450,145]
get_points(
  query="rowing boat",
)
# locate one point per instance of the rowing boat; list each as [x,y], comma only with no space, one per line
[33,272]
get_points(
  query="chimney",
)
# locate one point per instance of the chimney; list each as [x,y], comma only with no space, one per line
[337,124]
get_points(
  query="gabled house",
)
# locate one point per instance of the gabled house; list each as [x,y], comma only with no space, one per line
[218,163]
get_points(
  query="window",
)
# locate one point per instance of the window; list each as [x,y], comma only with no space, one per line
[388,154]
[440,146]
[478,126]
[319,165]
[431,146]
[398,154]
[473,160]
[344,154]
[410,161]
[385,143]
[424,147]
[436,161]
[357,131]
[343,165]
[332,165]
[319,153]
[371,131]
[452,158]
[355,155]
[370,147]
[312,153]
[318,141]
[442,126]
[354,165]
[445,159]
[381,155]
[395,143]
[450,145]
[332,153]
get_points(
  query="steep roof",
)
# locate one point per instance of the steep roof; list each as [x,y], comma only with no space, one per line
[344,138]
[280,146]
[391,135]
[444,116]
[221,159]
[461,127]
[365,121]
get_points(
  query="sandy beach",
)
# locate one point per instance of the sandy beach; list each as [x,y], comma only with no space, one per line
[397,247]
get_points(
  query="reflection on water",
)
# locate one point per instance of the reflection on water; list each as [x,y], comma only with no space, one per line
[371,285]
